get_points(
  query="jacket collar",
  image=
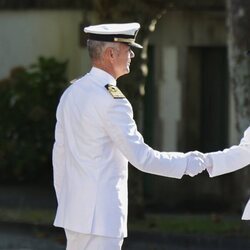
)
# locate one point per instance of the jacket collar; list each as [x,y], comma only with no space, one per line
[101,77]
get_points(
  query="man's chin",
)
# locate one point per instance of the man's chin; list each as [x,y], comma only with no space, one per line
[125,72]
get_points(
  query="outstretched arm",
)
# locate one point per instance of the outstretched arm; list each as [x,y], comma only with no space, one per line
[230,159]
[121,127]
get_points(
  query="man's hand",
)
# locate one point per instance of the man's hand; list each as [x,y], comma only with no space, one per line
[195,163]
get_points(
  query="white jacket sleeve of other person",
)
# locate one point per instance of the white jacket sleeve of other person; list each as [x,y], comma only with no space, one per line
[230,160]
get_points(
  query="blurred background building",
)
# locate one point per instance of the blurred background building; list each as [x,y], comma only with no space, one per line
[188,102]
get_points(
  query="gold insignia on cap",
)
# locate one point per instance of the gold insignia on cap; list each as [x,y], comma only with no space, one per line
[114,91]
[124,40]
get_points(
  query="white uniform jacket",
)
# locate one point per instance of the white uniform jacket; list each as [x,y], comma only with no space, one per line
[95,138]
[232,159]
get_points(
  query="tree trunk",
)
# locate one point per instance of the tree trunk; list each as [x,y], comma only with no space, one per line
[239,68]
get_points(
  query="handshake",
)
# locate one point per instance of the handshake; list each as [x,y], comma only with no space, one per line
[197,162]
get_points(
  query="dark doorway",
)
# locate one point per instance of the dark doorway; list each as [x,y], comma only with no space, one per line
[206,99]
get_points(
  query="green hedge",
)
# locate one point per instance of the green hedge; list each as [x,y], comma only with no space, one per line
[27,118]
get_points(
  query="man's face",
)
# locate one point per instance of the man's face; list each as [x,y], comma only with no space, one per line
[122,59]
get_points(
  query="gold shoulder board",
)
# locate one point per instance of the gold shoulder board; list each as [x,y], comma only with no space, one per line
[114,91]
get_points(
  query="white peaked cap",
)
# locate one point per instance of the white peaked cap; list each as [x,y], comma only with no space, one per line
[114,32]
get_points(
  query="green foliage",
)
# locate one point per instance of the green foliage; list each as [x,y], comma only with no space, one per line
[32,216]
[214,224]
[28,104]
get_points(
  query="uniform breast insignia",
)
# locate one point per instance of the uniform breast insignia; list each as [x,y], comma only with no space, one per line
[114,91]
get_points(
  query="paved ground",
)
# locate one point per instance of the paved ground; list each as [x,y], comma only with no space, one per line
[25,237]
[21,237]
[187,242]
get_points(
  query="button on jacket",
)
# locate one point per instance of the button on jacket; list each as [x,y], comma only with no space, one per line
[95,138]
[232,159]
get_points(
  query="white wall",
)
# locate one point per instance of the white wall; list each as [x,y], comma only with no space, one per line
[169,98]
[26,35]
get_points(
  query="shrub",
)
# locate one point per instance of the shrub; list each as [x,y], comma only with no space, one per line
[28,103]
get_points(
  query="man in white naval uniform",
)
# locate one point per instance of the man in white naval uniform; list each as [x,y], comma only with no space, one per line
[95,137]
[230,160]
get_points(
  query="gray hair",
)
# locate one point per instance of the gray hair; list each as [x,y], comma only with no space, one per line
[96,48]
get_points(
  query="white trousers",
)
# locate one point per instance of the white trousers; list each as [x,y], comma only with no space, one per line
[79,241]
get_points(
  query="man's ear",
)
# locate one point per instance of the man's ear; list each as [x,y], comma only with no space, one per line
[109,53]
